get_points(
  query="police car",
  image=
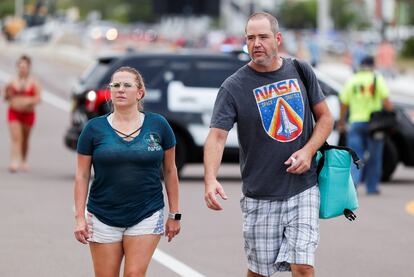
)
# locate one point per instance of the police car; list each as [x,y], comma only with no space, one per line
[180,86]
[183,87]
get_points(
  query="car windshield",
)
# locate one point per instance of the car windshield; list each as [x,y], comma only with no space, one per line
[93,74]
[211,74]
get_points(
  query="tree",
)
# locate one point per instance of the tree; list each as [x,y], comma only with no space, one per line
[298,14]
[6,8]
[348,14]
[117,10]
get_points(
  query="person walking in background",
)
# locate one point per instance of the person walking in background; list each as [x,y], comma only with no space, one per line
[358,52]
[385,59]
[278,142]
[125,209]
[23,94]
[313,48]
[365,93]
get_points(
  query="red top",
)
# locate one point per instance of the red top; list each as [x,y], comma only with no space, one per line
[29,91]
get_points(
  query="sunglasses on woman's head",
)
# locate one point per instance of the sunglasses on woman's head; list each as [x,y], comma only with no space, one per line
[117,85]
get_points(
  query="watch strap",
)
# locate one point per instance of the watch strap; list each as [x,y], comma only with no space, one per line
[175,216]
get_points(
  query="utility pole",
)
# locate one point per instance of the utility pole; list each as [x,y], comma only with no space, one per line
[18,8]
[324,22]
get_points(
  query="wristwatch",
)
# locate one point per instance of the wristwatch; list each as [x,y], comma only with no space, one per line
[175,216]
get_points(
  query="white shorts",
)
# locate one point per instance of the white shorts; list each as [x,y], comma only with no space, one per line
[102,233]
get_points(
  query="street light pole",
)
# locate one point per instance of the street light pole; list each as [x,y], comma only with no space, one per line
[324,23]
[18,8]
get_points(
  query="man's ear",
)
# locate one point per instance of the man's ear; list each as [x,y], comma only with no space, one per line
[278,37]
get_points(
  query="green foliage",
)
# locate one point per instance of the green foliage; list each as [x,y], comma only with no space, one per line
[298,14]
[140,10]
[6,8]
[348,14]
[408,48]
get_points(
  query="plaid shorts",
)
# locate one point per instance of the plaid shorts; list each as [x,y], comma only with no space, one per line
[280,233]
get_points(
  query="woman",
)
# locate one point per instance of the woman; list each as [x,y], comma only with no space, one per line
[23,94]
[125,203]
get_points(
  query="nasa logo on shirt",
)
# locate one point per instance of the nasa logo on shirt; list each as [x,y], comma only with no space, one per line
[153,141]
[281,109]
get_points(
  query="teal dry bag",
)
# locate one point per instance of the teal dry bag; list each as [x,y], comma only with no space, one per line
[337,190]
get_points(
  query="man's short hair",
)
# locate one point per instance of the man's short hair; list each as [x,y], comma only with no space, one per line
[274,25]
[368,61]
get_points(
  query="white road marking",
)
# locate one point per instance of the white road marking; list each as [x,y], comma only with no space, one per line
[175,265]
[159,256]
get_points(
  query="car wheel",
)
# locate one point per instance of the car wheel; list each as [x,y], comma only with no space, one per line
[181,151]
[390,159]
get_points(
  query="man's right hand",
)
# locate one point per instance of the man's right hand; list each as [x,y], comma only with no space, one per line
[213,187]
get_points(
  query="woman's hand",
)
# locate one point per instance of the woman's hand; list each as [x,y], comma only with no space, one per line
[172,228]
[82,230]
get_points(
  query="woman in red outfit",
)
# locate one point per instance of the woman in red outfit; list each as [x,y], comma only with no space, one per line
[22,94]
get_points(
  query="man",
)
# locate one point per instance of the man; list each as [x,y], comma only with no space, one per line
[273,111]
[362,96]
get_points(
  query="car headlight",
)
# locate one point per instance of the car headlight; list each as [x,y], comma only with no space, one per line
[91,96]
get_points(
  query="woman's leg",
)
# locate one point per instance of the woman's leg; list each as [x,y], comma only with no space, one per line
[107,258]
[16,136]
[25,145]
[138,253]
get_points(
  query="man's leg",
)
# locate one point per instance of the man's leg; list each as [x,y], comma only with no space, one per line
[373,168]
[302,270]
[302,233]
[263,233]
[356,142]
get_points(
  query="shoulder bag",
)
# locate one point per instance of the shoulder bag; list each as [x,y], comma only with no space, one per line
[338,194]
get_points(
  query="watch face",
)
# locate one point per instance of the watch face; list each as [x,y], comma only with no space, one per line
[174,216]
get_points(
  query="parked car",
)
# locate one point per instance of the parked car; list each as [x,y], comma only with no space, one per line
[180,86]
[183,87]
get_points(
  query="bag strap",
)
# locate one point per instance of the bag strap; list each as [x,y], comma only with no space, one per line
[304,81]
[301,74]
[326,147]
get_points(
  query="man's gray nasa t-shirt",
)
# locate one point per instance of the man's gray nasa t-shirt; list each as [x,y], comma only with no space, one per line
[274,120]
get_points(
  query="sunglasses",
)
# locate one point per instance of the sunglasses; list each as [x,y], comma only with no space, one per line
[117,85]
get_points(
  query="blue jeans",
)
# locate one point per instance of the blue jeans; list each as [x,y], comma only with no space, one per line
[360,140]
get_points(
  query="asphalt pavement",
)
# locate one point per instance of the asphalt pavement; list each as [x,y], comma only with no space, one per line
[36,236]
